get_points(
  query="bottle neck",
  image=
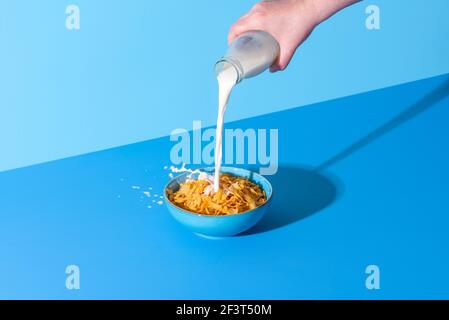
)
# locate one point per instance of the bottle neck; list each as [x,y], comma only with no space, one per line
[229,62]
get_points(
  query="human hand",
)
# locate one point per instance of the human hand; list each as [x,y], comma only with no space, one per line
[290,22]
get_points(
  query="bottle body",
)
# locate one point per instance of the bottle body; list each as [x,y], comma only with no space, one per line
[250,54]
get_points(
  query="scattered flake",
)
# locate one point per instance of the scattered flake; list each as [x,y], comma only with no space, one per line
[160,202]
[147,193]
[170,175]
[135,187]
[149,207]
[165,167]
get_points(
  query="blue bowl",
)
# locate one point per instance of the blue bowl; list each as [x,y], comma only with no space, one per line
[219,226]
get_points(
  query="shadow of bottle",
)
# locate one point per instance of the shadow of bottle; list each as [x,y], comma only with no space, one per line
[298,193]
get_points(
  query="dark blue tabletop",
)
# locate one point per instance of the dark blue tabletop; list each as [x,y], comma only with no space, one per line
[362,180]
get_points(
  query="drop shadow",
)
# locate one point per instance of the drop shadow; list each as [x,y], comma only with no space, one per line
[299,192]
[425,103]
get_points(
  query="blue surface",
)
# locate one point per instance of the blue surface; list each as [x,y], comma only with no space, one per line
[363,180]
[111,83]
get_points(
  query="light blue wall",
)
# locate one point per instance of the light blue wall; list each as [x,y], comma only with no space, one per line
[138,69]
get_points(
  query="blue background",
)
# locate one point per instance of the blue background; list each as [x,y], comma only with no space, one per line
[365,180]
[112,82]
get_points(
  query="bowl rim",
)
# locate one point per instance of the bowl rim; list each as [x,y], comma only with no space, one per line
[168,202]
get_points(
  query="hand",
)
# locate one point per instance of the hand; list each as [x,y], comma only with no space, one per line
[290,22]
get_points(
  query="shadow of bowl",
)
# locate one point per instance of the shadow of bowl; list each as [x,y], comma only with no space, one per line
[298,193]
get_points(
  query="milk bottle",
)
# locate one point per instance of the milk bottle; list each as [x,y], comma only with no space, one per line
[248,55]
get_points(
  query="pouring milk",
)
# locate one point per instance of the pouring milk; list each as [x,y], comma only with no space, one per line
[227,79]
[248,55]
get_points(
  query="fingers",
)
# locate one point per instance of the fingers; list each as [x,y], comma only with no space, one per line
[288,49]
[248,23]
[255,19]
[244,24]
[287,21]
[285,56]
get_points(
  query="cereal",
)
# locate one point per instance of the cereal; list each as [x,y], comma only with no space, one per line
[235,195]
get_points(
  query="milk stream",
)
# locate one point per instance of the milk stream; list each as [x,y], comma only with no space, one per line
[227,79]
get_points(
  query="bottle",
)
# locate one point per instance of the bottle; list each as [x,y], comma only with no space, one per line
[250,54]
